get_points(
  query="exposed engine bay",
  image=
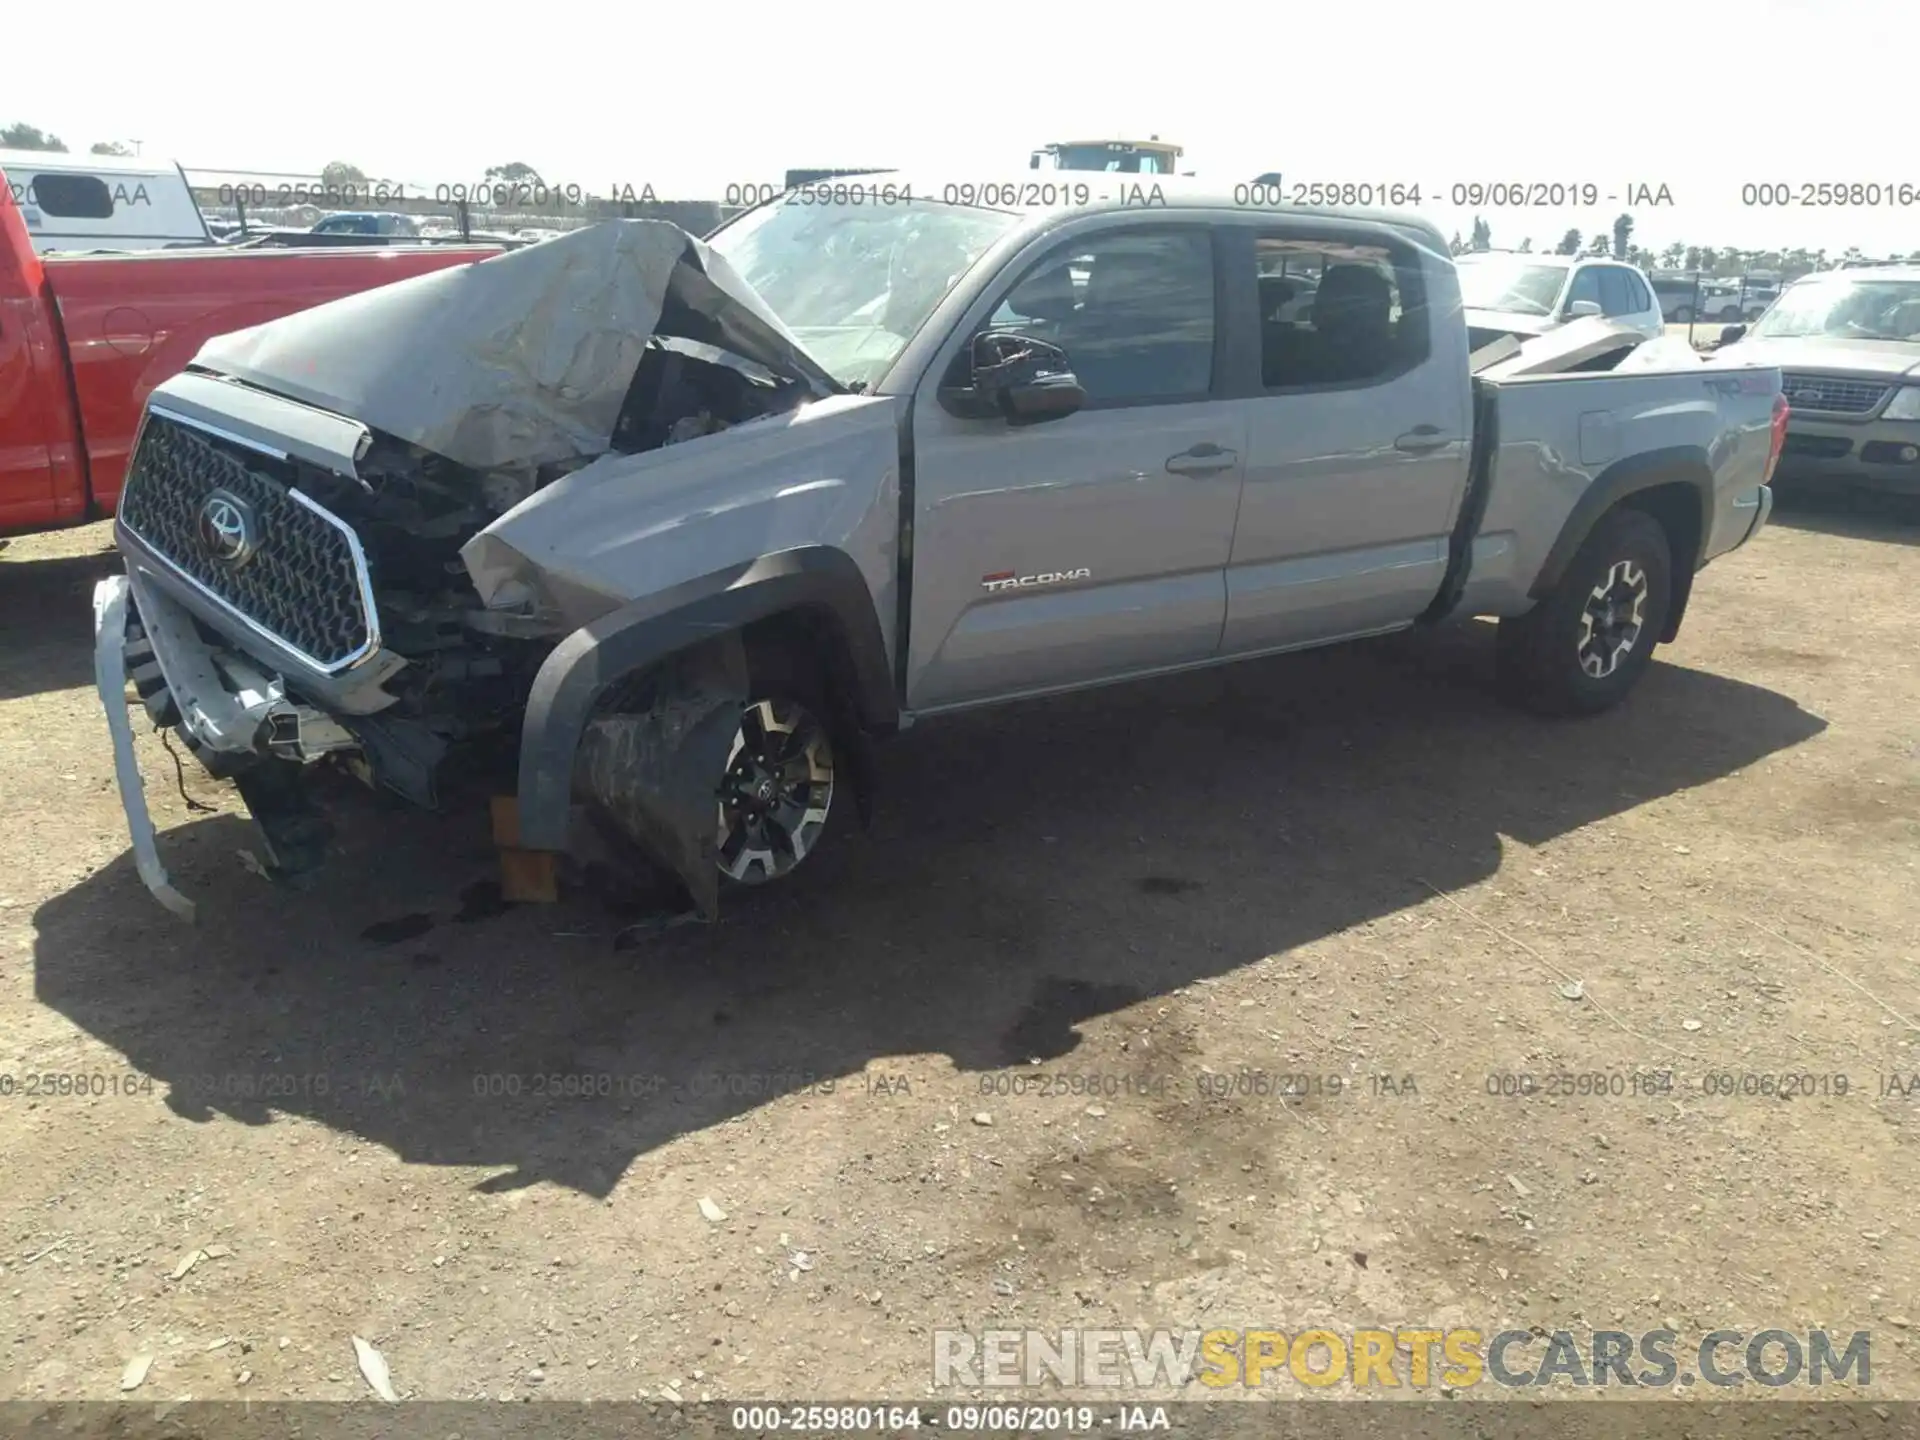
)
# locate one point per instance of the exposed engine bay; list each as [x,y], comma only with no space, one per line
[461,692]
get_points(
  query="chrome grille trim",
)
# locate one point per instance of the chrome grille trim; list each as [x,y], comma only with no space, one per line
[369,613]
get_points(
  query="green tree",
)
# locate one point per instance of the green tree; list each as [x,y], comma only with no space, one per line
[1482,234]
[1456,246]
[1526,246]
[29,137]
[339,172]
[109,147]
[1598,245]
[1569,243]
[1709,260]
[1622,235]
[514,171]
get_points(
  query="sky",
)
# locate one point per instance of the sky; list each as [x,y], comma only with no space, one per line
[1694,98]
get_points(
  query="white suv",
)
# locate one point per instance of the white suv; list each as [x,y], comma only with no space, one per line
[1508,293]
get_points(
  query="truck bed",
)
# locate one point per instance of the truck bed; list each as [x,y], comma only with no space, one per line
[1543,442]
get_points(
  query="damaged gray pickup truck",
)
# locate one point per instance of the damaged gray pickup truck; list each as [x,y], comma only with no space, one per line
[657,535]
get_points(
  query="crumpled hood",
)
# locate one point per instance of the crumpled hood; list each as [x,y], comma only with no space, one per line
[521,359]
[1890,358]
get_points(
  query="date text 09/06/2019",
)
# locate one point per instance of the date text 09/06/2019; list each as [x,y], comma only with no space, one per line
[1463,194]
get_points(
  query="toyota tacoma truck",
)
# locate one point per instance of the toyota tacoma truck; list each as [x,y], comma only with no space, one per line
[662,534]
[85,337]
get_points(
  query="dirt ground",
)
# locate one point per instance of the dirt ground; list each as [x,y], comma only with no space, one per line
[1352,866]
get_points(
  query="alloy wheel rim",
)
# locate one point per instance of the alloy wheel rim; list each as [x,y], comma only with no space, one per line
[776,791]
[1613,618]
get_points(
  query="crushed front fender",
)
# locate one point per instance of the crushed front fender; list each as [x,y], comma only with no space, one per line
[654,770]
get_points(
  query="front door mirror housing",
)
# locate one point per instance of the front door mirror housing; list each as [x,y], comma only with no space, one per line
[1581,309]
[1013,378]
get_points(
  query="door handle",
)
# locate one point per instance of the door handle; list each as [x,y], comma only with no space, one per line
[1206,458]
[1420,439]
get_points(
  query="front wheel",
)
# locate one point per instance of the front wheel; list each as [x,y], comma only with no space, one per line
[1582,648]
[1683,316]
[777,792]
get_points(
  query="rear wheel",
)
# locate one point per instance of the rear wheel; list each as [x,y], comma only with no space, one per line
[1582,648]
[1683,316]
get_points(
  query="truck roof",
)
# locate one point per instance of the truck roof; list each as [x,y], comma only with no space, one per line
[1054,191]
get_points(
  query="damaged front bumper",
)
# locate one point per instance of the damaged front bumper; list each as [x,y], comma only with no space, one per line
[110,676]
[648,772]
[226,707]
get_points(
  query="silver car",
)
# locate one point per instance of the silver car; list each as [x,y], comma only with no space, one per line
[1508,293]
[1848,345]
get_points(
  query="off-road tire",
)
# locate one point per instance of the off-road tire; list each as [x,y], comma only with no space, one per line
[789,682]
[1565,656]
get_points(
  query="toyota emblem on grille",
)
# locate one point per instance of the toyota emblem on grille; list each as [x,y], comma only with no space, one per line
[228,531]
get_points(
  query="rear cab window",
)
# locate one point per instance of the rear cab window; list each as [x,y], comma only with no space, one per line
[1334,312]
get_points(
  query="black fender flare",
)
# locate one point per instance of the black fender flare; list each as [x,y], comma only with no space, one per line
[641,634]
[1675,464]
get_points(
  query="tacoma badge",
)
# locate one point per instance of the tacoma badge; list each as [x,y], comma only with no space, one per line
[1009,580]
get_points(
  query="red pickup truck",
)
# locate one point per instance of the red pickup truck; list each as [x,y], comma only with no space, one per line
[84,338]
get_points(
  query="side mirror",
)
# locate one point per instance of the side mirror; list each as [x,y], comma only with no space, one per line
[1013,378]
[1581,309]
[1731,333]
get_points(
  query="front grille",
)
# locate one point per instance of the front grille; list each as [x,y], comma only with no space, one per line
[301,586]
[1834,396]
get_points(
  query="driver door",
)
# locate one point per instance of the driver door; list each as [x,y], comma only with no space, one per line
[1093,546]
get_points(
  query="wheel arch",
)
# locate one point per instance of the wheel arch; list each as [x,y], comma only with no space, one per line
[1674,485]
[816,590]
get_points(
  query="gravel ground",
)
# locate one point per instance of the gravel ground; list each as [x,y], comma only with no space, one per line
[1013,1056]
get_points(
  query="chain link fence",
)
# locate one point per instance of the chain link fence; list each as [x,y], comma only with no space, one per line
[287,209]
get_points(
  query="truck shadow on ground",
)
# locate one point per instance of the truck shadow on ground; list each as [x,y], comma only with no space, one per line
[46,622]
[1030,869]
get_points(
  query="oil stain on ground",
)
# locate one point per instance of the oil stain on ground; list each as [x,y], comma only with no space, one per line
[392,932]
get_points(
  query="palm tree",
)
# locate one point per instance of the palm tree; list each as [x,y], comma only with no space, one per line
[1622,235]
